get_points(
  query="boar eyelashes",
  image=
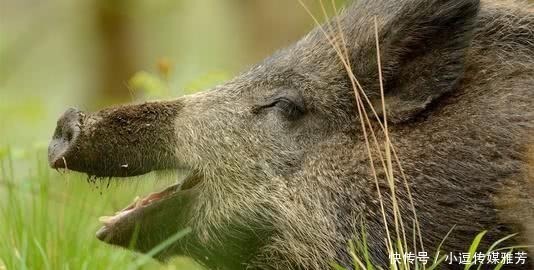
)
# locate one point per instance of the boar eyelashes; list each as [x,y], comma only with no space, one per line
[290,109]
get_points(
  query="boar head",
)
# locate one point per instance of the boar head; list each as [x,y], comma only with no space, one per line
[252,145]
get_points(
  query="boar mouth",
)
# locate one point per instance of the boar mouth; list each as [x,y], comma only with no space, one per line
[119,228]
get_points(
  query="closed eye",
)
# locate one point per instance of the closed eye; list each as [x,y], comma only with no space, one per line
[288,108]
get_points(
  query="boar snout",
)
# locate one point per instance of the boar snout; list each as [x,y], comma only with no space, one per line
[64,138]
[101,143]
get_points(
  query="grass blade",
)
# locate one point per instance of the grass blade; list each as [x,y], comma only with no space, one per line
[157,249]
[473,249]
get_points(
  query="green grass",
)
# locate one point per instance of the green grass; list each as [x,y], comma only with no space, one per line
[48,219]
[361,259]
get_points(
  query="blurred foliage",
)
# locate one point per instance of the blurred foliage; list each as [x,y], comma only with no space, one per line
[59,53]
[148,84]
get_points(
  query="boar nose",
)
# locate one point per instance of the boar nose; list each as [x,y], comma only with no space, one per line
[64,139]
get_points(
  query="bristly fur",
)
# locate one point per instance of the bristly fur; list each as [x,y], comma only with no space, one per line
[286,181]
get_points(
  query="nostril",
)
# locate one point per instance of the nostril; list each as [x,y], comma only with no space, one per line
[64,138]
[68,125]
[69,135]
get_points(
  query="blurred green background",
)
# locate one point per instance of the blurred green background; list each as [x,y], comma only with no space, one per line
[59,53]
[90,54]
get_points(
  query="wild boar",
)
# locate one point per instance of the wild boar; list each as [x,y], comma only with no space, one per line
[280,172]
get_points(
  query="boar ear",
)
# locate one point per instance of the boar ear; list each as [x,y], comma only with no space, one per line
[423,51]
